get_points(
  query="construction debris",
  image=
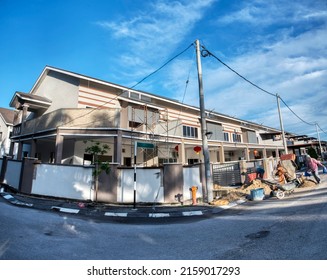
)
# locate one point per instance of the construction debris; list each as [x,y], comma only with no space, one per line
[225,195]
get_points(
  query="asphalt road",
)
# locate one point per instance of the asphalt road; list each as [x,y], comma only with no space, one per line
[293,228]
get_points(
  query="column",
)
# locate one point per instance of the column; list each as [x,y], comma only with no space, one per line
[264,152]
[59,147]
[118,147]
[20,151]
[221,153]
[181,153]
[247,153]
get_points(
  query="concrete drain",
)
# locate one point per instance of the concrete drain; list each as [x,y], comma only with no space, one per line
[259,234]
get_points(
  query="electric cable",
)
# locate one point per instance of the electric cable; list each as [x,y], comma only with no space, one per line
[205,52]
[119,94]
[295,113]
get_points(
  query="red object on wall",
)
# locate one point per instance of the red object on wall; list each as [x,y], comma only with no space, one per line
[197,149]
[176,148]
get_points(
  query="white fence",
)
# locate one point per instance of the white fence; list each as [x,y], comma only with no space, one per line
[76,182]
[148,186]
[191,178]
[73,182]
[13,171]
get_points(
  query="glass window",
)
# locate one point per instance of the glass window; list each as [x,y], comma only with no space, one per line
[190,131]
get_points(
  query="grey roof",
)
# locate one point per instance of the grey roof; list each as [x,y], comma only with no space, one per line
[8,115]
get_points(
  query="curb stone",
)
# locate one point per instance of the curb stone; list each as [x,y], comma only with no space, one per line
[11,199]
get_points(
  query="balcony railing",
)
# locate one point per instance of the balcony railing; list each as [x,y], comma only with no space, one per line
[81,118]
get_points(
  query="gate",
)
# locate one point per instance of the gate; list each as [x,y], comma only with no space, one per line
[227,174]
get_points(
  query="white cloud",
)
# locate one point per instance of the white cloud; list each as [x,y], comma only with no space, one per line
[286,55]
[158,28]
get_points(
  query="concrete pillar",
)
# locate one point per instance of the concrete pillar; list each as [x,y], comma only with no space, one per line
[20,151]
[108,184]
[266,167]
[181,153]
[243,169]
[118,147]
[264,152]
[24,116]
[33,148]
[221,154]
[247,153]
[11,149]
[59,147]
[173,182]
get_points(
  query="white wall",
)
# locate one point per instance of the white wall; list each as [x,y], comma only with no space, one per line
[74,182]
[148,186]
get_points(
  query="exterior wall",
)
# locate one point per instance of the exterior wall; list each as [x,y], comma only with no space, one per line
[148,186]
[58,88]
[4,139]
[74,182]
[96,95]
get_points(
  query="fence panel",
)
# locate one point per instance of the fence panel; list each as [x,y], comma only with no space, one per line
[148,185]
[69,181]
[12,176]
[191,177]
[227,174]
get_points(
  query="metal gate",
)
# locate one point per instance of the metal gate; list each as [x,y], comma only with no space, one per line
[227,174]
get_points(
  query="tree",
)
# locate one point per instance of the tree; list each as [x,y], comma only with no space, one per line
[96,149]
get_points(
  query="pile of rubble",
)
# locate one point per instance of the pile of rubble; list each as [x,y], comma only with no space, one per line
[225,195]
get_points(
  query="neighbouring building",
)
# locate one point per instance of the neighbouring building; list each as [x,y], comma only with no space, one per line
[6,127]
[64,111]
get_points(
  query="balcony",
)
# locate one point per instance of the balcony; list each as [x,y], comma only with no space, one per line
[69,118]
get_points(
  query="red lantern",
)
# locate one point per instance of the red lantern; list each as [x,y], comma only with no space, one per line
[197,149]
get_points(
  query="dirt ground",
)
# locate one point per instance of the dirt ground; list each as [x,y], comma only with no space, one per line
[225,195]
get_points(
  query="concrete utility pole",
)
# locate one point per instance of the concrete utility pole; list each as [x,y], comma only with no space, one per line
[319,139]
[207,169]
[281,124]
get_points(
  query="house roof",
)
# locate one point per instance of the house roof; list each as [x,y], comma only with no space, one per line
[7,115]
[123,88]
[32,100]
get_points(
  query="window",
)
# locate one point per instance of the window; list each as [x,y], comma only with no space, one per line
[190,131]
[226,136]
[236,137]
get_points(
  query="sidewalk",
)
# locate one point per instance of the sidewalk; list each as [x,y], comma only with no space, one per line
[105,210]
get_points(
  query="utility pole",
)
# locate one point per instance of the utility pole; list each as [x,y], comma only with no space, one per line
[319,139]
[207,169]
[281,124]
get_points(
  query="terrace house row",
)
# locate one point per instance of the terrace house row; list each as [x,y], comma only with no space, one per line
[63,111]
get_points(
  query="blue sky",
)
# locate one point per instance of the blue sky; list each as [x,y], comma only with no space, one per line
[279,45]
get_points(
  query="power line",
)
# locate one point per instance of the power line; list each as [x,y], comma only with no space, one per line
[295,113]
[321,129]
[142,80]
[205,52]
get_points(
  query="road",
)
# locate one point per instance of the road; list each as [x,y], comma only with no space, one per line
[292,228]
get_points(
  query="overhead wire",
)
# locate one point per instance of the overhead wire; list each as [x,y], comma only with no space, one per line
[238,74]
[206,52]
[129,88]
